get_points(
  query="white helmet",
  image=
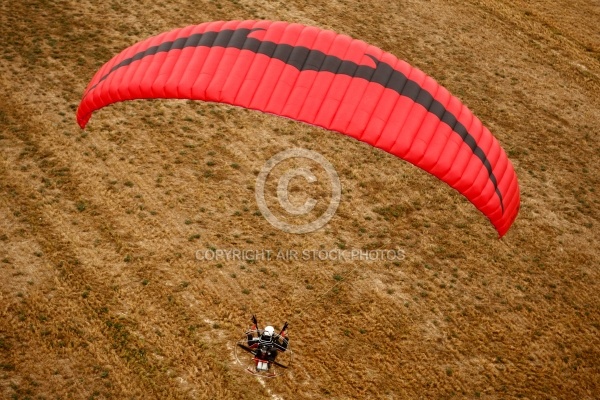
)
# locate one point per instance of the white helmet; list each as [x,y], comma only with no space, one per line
[269,330]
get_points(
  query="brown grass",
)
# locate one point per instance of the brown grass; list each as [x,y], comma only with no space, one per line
[101,296]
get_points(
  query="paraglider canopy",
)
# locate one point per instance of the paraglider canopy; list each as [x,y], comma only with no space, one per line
[325,79]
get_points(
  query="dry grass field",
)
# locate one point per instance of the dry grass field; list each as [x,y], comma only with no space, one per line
[101,295]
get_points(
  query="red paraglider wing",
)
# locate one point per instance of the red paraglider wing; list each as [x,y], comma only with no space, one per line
[325,79]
